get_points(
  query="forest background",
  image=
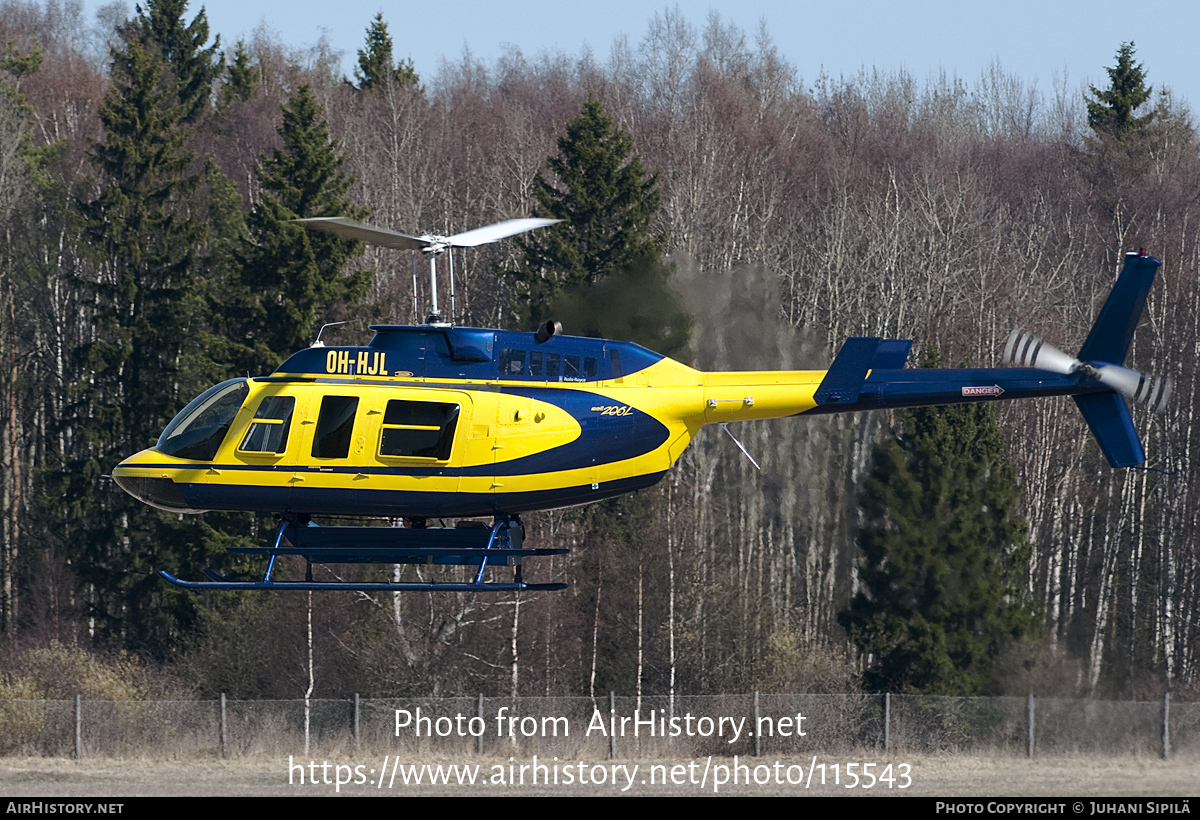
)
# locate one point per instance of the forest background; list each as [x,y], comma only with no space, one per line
[146,173]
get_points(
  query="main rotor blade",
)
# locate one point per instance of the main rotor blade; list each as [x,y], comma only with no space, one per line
[372,235]
[494,233]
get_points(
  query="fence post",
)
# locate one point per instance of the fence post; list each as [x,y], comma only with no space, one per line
[79,727]
[612,725]
[1029,724]
[887,722]
[757,739]
[224,730]
[357,735]
[479,739]
[1166,726]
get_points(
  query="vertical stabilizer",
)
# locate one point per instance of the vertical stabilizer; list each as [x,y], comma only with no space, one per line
[1107,414]
[1109,339]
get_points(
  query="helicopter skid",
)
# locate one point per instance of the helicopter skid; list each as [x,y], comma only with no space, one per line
[474,546]
[220,582]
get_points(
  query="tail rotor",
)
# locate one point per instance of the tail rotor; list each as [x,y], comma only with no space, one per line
[1026,350]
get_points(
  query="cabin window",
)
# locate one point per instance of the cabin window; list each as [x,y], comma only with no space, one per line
[571,369]
[589,368]
[269,430]
[512,362]
[335,427]
[198,430]
[614,356]
[418,429]
[535,363]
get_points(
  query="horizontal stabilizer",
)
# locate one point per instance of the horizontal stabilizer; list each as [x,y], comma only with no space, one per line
[892,354]
[844,380]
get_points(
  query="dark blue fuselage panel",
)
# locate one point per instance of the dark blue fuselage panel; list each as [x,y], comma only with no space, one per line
[398,504]
[916,388]
[427,352]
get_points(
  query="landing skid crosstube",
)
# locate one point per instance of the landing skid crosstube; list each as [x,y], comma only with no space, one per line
[471,546]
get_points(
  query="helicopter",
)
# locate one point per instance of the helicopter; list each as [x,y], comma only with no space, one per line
[440,421]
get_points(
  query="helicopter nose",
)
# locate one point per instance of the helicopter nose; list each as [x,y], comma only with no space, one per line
[154,489]
[157,492]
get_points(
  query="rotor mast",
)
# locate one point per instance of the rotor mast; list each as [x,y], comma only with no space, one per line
[431,253]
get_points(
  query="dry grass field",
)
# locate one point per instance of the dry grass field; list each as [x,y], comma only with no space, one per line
[936,776]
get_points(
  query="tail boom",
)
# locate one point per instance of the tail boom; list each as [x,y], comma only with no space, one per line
[884,389]
[861,377]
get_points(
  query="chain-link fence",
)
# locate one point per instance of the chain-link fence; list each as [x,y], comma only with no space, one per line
[622,727]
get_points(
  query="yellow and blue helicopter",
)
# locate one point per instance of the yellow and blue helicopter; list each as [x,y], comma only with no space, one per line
[437,421]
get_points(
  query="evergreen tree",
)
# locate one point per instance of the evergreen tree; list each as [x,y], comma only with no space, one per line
[192,67]
[241,79]
[143,225]
[1126,155]
[601,272]
[290,276]
[607,204]
[376,66]
[21,65]
[943,554]
[146,240]
[605,200]
[1111,111]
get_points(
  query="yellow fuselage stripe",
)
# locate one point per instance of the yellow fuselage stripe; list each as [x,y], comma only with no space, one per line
[494,427]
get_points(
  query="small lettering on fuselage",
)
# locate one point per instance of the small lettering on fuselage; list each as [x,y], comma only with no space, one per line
[362,363]
[987,390]
[613,410]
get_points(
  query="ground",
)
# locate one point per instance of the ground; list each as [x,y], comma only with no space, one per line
[940,776]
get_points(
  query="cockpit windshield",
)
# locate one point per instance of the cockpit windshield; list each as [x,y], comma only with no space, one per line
[199,429]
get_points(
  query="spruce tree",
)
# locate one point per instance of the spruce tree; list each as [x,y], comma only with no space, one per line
[601,270]
[144,226]
[241,79]
[1111,111]
[376,66]
[20,65]
[943,555]
[291,276]
[1124,153]
[193,67]
[605,200]
[146,239]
